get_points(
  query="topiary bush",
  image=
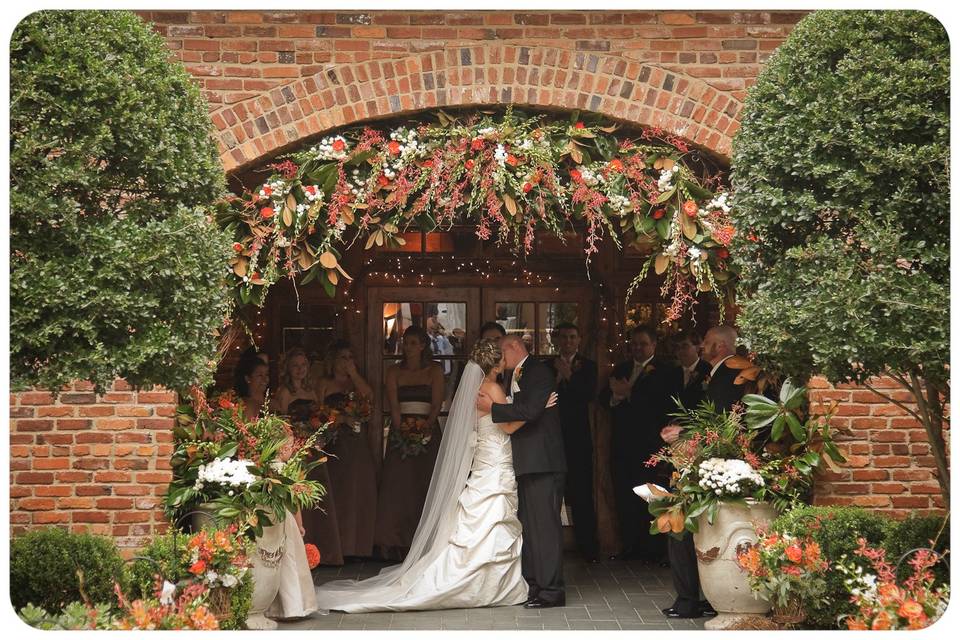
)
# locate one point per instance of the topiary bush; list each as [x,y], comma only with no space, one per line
[842,201]
[116,269]
[836,530]
[44,567]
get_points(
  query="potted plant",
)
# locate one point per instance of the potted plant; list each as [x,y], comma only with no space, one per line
[250,473]
[786,571]
[732,473]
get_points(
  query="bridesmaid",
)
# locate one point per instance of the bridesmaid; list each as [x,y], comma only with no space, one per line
[414,388]
[296,597]
[296,398]
[353,470]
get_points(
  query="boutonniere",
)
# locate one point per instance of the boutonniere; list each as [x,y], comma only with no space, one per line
[517,374]
[648,369]
[705,383]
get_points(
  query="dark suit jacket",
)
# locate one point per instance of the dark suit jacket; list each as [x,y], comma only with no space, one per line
[695,390]
[637,421]
[538,444]
[721,389]
[575,396]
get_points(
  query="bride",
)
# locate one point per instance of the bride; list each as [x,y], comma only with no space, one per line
[466,550]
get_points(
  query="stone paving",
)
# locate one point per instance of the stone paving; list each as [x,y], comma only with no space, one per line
[610,595]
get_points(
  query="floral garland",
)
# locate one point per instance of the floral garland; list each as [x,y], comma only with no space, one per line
[511,175]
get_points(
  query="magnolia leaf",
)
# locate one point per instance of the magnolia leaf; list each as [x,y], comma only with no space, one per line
[305,260]
[688,226]
[575,153]
[676,521]
[738,362]
[666,195]
[328,260]
[371,239]
[378,237]
[332,276]
[657,491]
[400,240]
[663,523]
[510,203]
[660,263]
[241,267]
[287,216]
[584,133]
[610,129]
[390,228]
[796,429]
[342,272]
[291,202]
[706,286]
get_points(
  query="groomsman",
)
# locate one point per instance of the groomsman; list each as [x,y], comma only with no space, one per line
[693,368]
[718,387]
[639,400]
[576,378]
[492,330]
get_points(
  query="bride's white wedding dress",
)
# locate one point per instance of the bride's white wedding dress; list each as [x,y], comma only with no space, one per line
[466,551]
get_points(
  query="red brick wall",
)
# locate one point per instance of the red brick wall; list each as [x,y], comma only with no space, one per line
[274,78]
[889,465]
[85,460]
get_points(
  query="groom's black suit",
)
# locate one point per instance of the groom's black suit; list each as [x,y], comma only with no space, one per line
[540,466]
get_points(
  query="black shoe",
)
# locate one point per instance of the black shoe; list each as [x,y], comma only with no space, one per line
[670,612]
[707,609]
[537,603]
[673,613]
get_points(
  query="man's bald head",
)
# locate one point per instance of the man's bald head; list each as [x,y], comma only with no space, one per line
[514,349]
[719,343]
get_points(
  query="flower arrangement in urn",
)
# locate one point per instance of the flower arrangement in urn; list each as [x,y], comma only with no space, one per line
[411,436]
[786,571]
[730,457]
[883,601]
[252,472]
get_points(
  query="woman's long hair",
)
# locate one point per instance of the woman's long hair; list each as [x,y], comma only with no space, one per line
[427,354]
[247,365]
[330,356]
[285,378]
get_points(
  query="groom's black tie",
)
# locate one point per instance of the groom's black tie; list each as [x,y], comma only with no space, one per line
[505,379]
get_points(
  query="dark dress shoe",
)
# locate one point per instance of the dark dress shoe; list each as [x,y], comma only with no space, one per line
[673,613]
[538,603]
[592,560]
[707,609]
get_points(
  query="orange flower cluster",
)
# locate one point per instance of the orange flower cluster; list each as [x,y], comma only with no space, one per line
[313,555]
[914,604]
[784,567]
[185,612]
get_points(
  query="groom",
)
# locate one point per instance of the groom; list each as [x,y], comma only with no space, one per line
[540,466]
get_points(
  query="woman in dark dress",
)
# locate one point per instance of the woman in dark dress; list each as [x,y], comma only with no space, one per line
[414,397]
[297,400]
[353,467]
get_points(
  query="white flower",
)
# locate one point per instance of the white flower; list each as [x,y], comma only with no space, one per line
[167,592]
[729,477]
[225,471]
[228,580]
[693,252]
[500,155]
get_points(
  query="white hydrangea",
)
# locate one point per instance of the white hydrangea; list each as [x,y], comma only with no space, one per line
[332,148]
[665,182]
[728,476]
[618,203]
[694,253]
[719,202]
[500,155]
[225,471]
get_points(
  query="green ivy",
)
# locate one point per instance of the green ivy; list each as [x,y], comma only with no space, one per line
[841,183]
[116,269]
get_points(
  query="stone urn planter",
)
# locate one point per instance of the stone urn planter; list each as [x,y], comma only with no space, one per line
[266,575]
[721,579]
[203,516]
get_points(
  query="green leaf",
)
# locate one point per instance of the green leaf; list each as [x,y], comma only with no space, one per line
[796,428]
[778,426]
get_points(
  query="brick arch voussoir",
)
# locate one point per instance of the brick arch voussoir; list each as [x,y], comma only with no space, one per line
[489,74]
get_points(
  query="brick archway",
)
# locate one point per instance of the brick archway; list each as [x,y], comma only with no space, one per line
[635,92]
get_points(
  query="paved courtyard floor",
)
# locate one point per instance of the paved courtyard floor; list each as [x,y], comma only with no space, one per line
[610,595]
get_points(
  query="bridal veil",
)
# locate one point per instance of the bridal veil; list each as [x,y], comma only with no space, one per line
[438,518]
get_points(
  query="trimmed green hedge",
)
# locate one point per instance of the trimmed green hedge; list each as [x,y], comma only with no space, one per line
[116,269]
[44,567]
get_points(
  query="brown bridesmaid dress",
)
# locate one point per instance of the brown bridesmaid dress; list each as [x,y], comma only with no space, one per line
[320,522]
[353,479]
[404,484]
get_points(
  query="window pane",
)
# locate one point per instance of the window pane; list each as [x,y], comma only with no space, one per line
[445,322]
[518,318]
[551,315]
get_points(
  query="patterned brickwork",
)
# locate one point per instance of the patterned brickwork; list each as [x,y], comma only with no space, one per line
[275,78]
[87,461]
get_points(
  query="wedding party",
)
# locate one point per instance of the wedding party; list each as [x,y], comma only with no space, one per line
[479,319]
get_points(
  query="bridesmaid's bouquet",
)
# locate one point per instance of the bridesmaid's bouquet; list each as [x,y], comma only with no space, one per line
[356,410]
[319,423]
[411,436]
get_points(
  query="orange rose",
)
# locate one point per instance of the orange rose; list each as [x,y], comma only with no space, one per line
[616,164]
[512,160]
[339,145]
[313,555]
[855,624]
[794,553]
[394,147]
[690,208]
[469,164]
[266,213]
[198,567]
[910,609]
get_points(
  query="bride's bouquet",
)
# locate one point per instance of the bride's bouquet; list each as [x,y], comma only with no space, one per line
[411,436]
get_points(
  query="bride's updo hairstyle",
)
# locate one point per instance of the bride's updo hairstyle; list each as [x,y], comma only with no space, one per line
[487,354]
